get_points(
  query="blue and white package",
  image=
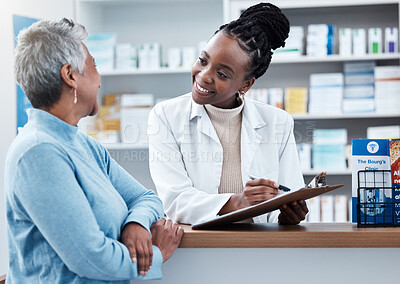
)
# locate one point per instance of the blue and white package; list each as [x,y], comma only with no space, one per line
[369,157]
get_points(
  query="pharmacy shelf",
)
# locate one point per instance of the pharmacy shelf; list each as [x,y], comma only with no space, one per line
[334,58]
[133,2]
[118,72]
[344,116]
[288,60]
[287,4]
[329,172]
[124,146]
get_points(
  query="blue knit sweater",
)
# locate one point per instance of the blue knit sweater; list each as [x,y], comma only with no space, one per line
[67,202]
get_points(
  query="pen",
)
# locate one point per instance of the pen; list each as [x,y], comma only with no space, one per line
[281,187]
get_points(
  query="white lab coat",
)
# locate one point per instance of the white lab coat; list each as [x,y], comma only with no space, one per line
[186,156]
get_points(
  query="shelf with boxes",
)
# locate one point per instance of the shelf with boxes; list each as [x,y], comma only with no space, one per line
[299,60]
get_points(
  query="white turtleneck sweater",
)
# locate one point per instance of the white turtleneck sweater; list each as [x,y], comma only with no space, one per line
[228,125]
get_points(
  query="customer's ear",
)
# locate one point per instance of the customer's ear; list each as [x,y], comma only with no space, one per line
[68,75]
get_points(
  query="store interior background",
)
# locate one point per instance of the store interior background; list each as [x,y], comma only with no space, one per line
[54,9]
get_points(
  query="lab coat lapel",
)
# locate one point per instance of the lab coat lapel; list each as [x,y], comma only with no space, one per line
[250,138]
[204,124]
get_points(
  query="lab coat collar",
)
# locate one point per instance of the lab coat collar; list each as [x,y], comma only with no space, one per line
[196,109]
[251,114]
[204,123]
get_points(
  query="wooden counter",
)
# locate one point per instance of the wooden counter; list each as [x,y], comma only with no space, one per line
[307,235]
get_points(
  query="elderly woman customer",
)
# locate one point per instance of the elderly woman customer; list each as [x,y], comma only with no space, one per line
[74,215]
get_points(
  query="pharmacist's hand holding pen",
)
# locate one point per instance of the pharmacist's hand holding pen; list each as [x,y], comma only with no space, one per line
[258,190]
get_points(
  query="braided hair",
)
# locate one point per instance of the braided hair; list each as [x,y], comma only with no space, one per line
[258,30]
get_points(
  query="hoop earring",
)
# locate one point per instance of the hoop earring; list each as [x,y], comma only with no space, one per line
[75,97]
[241,94]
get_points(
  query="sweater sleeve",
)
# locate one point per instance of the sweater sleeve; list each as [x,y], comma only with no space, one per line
[143,204]
[46,189]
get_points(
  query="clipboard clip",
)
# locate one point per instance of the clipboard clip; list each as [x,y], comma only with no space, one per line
[318,181]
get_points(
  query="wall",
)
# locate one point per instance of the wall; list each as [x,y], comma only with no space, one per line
[49,9]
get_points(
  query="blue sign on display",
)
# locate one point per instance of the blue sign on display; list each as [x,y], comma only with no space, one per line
[20,23]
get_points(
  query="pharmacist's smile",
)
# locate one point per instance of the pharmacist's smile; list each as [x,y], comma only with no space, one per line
[201,90]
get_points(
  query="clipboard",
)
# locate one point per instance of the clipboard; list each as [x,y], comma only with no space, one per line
[266,206]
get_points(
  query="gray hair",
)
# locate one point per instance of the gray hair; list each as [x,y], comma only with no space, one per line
[41,52]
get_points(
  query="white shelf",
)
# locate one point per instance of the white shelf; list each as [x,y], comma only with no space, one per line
[118,72]
[121,2]
[344,116]
[334,58]
[328,172]
[287,4]
[289,60]
[124,146]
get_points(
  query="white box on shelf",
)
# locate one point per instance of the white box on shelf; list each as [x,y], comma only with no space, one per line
[134,125]
[126,55]
[359,78]
[154,55]
[391,40]
[330,136]
[359,42]
[358,105]
[143,56]
[325,100]
[262,95]
[102,47]
[137,100]
[304,150]
[188,57]
[314,214]
[387,89]
[383,132]
[356,67]
[340,208]
[358,91]
[374,40]
[135,109]
[345,42]
[294,44]
[174,58]
[329,157]
[327,206]
[326,79]
[275,97]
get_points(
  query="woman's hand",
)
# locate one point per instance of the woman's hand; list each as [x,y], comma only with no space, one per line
[256,191]
[138,241]
[293,212]
[167,236]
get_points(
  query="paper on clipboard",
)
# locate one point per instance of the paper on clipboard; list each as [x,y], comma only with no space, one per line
[266,206]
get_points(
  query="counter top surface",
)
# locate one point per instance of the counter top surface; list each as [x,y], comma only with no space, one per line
[307,235]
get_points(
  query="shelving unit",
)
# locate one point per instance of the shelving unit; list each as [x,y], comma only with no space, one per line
[181,23]
[345,116]
[293,60]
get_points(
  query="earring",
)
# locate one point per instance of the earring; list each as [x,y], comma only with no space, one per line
[75,97]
